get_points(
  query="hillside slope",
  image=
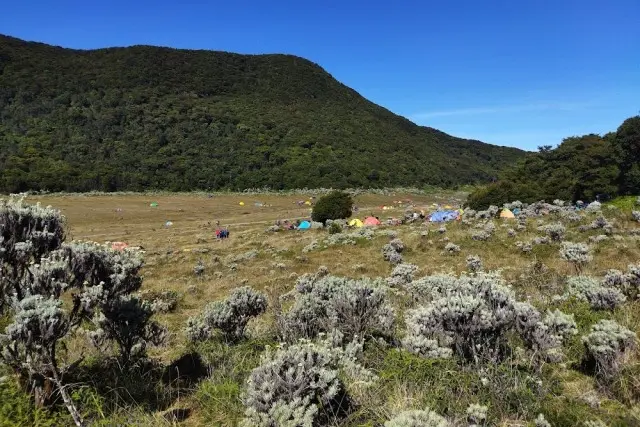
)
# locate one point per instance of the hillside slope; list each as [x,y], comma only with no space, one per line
[580,168]
[147,117]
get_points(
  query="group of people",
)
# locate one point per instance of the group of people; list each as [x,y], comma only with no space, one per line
[221,232]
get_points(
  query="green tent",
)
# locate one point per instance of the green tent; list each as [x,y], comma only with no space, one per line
[154,204]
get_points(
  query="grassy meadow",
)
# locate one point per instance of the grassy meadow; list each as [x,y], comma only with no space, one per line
[271,261]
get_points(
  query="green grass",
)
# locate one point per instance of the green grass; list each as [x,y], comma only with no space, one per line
[625,203]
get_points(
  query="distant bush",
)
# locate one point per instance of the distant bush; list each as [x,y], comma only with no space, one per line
[577,254]
[402,275]
[335,205]
[335,228]
[555,231]
[474,263]
[451,248]
[392,251]
[230,316]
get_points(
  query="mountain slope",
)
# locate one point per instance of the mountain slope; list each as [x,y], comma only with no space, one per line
[148,117]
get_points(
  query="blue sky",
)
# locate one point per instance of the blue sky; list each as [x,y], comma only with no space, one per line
[519,73]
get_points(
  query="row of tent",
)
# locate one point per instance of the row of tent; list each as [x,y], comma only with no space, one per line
[369,221]
[454,215]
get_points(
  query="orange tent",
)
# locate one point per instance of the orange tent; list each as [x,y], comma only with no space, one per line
[118,246]
[371,221]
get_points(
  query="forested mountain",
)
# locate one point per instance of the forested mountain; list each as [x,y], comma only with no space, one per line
[158,118]
[580,168]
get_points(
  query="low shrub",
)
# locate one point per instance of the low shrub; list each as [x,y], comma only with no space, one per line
[301,385]
[592,291]
[606,345]
[329,303]
[417,418]
[230,316]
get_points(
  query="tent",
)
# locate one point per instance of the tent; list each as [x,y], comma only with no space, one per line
[118,246]
[444,216]
[507,214]
[304,225]
[355,223]
[371,221]
[241,203]
[154,204]
[308,203]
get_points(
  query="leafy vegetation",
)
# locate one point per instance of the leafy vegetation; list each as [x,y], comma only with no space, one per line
[335,205]
[580,168]
[157,118]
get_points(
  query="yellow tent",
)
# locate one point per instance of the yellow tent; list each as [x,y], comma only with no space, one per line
[308,203]
[355,223]
[241,203]
[507,214]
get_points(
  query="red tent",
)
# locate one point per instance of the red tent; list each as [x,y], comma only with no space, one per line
[371,221]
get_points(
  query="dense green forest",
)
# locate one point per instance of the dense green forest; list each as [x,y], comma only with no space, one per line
[158,118]
[580,168]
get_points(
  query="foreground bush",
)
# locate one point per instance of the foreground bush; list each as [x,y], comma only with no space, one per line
[27,233]
[417,418]
[300,385]
[53,288]
[472,317]
[335,205]
[356,308]
[230,316]
[606,345]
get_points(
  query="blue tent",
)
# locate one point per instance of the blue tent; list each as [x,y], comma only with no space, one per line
[304,225]
[443,216]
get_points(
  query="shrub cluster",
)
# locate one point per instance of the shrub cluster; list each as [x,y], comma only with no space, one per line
[555,231]
[597,294]
[474,263]
[392,251]
[417,418]
[229,316]
[472,316]
[324,303]
[485,233]
[576,253]
[402,275]
[451,248]
[52,288]
[606,344]
[301,384]
[628,283]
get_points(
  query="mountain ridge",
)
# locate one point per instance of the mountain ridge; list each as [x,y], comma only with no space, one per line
[146,117]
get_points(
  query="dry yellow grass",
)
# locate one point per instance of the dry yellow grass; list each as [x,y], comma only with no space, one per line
[172,252]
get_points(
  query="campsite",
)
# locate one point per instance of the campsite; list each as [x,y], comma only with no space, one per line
[187,264]
[356,214]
